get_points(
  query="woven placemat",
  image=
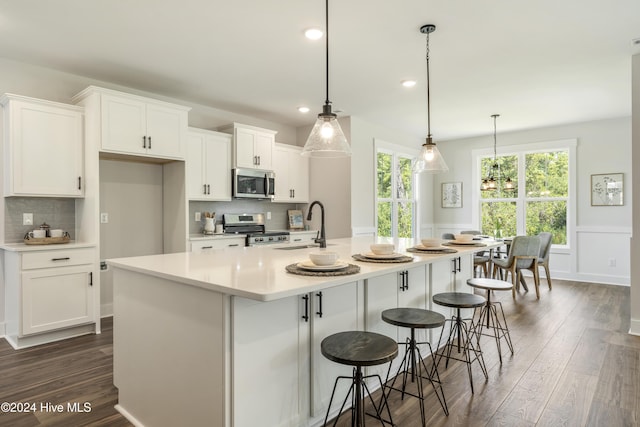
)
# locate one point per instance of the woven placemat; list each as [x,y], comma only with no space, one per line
[433,251]
[403,258]
[294,269]
[458,245]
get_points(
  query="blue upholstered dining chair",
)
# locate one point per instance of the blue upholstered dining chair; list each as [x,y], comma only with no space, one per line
[523,255]
[545,251]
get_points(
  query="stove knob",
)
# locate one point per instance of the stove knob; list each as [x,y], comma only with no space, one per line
[270,239]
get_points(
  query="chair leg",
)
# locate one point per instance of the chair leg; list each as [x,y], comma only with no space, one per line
[536,280]
[546,271]
[486,269]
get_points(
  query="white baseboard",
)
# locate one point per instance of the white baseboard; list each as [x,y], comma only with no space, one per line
[634,328]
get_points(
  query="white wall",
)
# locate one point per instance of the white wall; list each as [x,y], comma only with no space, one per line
[635,241]
[602,233]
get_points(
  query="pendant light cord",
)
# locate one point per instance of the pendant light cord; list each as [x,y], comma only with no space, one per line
[428,94]
[326,39]
[495,156]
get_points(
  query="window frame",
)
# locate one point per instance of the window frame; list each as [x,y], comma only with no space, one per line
[520,151]
[395,151]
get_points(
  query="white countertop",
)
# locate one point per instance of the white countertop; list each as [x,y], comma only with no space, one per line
[259,272]
[21,247]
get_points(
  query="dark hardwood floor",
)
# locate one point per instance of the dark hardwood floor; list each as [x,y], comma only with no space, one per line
[574,365]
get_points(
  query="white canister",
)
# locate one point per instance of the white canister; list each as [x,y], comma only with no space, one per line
[209,225]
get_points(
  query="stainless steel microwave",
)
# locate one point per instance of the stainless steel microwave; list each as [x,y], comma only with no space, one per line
[253,184]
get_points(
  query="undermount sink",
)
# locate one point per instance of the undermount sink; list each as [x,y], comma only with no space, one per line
[291,248]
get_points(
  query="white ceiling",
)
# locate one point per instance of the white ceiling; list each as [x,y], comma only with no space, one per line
[536,63]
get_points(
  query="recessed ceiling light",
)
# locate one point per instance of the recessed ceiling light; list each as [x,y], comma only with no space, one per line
[303,109]
[313,33]
[408,83]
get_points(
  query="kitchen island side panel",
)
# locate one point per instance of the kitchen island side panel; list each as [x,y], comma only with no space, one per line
[169,351]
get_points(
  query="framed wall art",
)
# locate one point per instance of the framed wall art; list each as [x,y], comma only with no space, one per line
[451,194]
[607,189]
[296,221]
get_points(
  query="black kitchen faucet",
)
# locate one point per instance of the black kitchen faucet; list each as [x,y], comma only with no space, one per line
[323,238]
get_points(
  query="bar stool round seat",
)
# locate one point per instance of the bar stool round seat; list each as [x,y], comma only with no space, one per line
[413,364]
[460,335]
[358,349]
[489,318]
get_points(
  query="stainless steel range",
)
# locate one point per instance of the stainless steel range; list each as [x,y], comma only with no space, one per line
[253,226]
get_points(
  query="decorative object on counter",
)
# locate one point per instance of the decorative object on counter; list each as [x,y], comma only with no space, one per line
[324,258]
[296,220]
[297,269]
[326,138]
[46,227]
[607,189]
[30,239]
[451,194]
[209,223]
[429,160]
[439,250]
[431,242]
[492,181]
[396,258]
[383,248]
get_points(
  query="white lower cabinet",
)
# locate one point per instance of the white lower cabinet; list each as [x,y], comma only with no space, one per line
[49,292]
[332,310]
[270,334]
[298,237]
[406,288]
[450,275]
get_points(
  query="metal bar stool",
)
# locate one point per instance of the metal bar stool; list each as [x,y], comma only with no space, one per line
[413,363]
[459,334]
[358,349]
[488,318]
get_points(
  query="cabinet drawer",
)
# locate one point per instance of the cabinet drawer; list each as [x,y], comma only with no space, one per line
[57,258]
[217,244]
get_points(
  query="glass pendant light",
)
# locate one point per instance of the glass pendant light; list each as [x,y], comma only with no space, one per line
[326,138]
[490,183]
[429,160]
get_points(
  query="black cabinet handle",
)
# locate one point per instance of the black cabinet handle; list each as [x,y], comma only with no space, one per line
[144,142]
[204,188]
[149,143]
[459,264]
[61,259]
[406,280]
[79,183]
[258,160]
[91,278]
[235,244]
[319,312]
[208,189]
[207,247]
[255,160]
[306,308]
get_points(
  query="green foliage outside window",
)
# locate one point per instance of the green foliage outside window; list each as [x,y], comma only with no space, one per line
[390,200]
[546,194]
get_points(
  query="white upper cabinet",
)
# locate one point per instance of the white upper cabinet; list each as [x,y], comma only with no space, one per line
[292,174]
[134,125]
[43,148]
[208,165]
[252,146]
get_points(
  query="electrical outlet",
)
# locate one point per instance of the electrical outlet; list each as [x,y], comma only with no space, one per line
[268,215]
[27,219]
[104,218]
[198,217]
[612,262]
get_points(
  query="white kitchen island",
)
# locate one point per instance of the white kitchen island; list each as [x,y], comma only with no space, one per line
[228,338]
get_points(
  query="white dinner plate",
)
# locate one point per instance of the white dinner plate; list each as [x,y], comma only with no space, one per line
[308,265]
[421,247]
[460,242]
[383,256]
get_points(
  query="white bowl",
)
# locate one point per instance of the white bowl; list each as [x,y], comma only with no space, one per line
[382,248]
[430,243]
[464,237]
[323,258]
